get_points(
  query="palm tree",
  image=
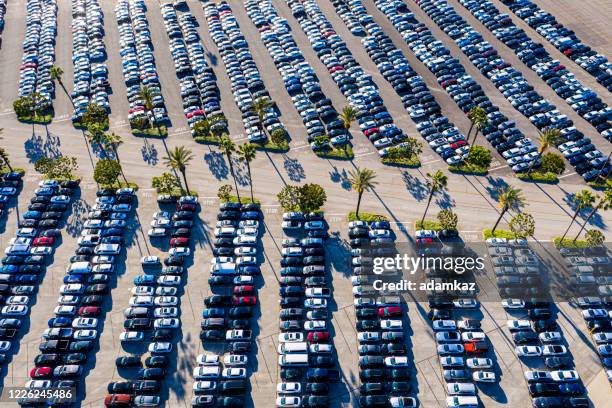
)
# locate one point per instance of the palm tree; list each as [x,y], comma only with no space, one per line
[348,115]
[113,141]
[604,202]
[178,159]
[583,199]
[437,182]
[507,198]
[361,180]
[95,135]
[478,118]
[550,136]
[146,94]
[55,72]
[227,146]
[4,158]
[260,107]
[247,153]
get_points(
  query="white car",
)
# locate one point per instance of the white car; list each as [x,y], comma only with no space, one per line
[288,402]
[5,346]
[157,232]
[396,361]
[160,348]
[497,241]
[444,325]
[208,359]
[292,251]
[311,325]
[460,389]
[165,312]
[550,337]
[477,363]
[291,337]
[179,251]
[85,323]
[457,401]
[131,336]
[245,251]
[554,350]
[517,325]
[402,402]
[165,300]
[473,336]
[206,372]
[232,360]
[484,376]
[150,260]
[18,300]
[528,351]
[248,231]
[452,362]
[513,304]
[315,303]
[564,375]
[143,291]
[466,303]
[202,387]
[234,373]
[14,310]
[289,388]
[166,323]
[391,324]
[169,280]
[87,334]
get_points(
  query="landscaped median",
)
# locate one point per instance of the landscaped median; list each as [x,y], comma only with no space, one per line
[366,216]
[158,131]
[539,177]
[467,168]
[342,153]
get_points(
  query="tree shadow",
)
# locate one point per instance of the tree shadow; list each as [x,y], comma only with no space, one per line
[445,201]
[39,146]
[596,219]
[340,177]
[217,165]
[294,169]
[415,186]
[241,172]
[214,61]
[149,153]
[495,185]
[75,222]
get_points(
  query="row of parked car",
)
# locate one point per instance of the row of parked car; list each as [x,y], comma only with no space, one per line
[354,83]
[198,86]
[537,338]
[10,183]
[583,100]
[564,39]
[519,151]
[500,131]
[2,14]
[73,330]
[27,255]
[591,271]
[247,84]
[319,116]
[153,316]
[228,313]
[384,369]
[138,62]
[39,52]
[440,133]
[304,318]
[88,56]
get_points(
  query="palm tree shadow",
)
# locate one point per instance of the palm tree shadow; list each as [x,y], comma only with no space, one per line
[294,169]
[241,172]
[340,177]
[149,153]
[445,201]
[37,146]
[495,185]
[596,219]
[415,186]
[217,165]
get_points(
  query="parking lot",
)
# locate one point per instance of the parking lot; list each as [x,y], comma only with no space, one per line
[401,194]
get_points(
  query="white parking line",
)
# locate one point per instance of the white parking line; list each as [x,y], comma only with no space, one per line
[430,162]
[567,175]
[499,167]
[364,154]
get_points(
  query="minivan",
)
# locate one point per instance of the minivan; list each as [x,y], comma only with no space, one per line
[292,360]
[290,348]
[78,268]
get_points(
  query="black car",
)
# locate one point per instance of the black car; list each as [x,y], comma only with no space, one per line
[317,388]
[239,347]
[123,387]
[157,361]
[74,358]
[212,335]
[47,360]
[146,386]
[163,334]
[128,361]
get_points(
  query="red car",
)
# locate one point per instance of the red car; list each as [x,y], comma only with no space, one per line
[424,241]
[370,131]
[179,242]
[118,400]
[458,144]
[476,347]
[43,241]
[390,311]
[244,300]
[243,290]
[40,372]
[318,337]
[185,207]
[89,311]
